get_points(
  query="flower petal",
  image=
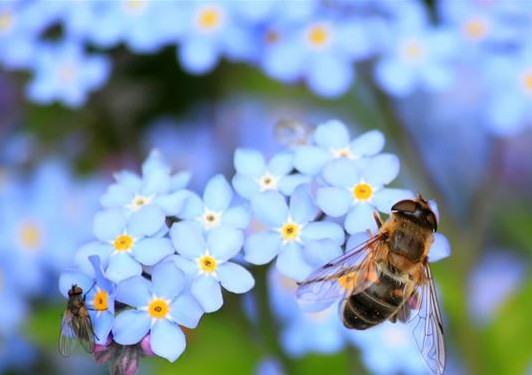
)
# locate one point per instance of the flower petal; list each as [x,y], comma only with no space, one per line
[245,186]
[334,201]
[237,217]
[167,280]
[310,159]
[235,278]
[249,162]
[147,221]
[341,173]
[261,248]
[360,218]
[270,208]
[150,251]
[186,311]
[289,183]
[218,194]
[323,230]
[281,164]
[130,326]
[291,263]
[122,266]
[135,291]
[332,135]
[172,204]
[108,224]
[116,196]
[208,293]
[102,326]
[225,242]
[302,208]
[385,198]
[368,144]
[188,239]
[167,340]
[381,169]
[319,252]
[440,249]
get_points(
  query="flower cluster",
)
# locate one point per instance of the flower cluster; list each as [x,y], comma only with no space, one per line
[316,42]
[163,253]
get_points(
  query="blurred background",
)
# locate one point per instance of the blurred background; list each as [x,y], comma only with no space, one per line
[89,87]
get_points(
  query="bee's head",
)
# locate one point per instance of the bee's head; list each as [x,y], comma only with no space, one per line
[75,290]
[417,210]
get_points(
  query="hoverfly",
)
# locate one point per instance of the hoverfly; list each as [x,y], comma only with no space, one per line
[387,278]
[76,325]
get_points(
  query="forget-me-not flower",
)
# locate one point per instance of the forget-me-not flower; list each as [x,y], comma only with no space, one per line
[160,306]
[254,175]
[128,243]
[331,140]
[300,243]
[357,188]
[205,258]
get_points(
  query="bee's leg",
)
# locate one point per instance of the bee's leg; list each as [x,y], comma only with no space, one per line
[378,219]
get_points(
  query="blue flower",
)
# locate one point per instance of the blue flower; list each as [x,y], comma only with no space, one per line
[128,243]
[205,260]
[332,141]
[357,189]
[253,175]
[210,32]
[417,58]
[300,243]
[156,188]
[215,208]
[98,295]
[159,307]
[63,72]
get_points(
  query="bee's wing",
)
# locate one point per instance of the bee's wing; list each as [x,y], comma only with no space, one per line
[347,274]
[428,324]
[67,336]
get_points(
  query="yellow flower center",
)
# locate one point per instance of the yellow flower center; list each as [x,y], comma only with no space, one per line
[343,153]
[30,235]
[138,201]
[362,191]
[527,81]
[158,308]
[290,232]
[413,50]
[135,5]
[100,300]
[476,28]
[318,35]
[6,21]
[272,36]
[123,242]
[207,264]
[209,18]
[268,182]
[67,73]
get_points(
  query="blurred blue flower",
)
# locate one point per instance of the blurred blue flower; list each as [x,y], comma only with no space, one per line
[417,57]
[496,276]
[332,141]
[98,293]
[127,243]
[64,72]
[357,189]
[269,366]
[254,175]
[205,260]
[156,188]
[211,31]
[300,243]
[16,354]
[159,307]
[389,348]
[215,207]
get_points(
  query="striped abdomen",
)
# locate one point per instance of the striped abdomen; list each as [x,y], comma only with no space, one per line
[374,305]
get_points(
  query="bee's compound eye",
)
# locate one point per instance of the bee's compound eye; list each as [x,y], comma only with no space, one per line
[406,205]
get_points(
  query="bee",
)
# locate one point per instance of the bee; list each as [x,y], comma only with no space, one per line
[76,325]
[387,277]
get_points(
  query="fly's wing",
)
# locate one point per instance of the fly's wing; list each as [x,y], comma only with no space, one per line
[67,336]
[85,333]
[350,273]
[428,324]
